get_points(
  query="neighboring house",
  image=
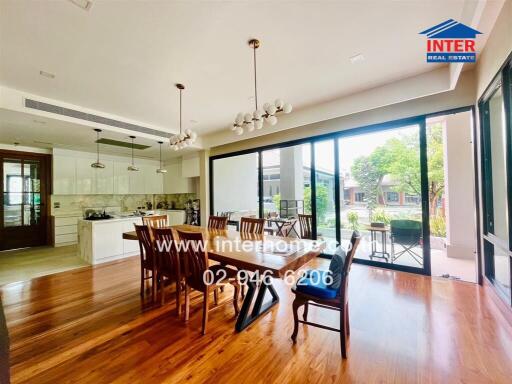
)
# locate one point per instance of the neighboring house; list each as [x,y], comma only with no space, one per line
[352,193]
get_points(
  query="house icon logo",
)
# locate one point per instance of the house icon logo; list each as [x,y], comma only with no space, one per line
[451,42]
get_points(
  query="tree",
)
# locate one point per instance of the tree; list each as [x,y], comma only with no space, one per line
[369,176]
[322,201]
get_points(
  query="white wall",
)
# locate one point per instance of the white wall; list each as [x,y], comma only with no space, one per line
[459,186]
[236,184]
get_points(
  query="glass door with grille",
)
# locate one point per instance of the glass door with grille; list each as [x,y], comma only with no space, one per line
[23,220]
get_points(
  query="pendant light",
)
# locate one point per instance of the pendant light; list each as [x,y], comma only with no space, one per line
[132,166]
[255,120]
[182,140]
[161,169]
[97,164]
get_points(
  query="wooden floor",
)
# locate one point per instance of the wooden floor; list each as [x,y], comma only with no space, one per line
[26,264]
[90,326]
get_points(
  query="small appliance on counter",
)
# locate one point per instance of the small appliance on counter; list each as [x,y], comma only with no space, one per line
[193,213]
[104,213]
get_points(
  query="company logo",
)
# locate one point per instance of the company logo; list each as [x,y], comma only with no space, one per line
[451,42]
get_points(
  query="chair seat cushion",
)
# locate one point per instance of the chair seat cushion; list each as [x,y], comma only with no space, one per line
[313,283]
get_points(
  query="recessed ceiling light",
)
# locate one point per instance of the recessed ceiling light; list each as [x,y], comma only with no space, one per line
[84,4]
[357,58]
[47,74]
[39,121]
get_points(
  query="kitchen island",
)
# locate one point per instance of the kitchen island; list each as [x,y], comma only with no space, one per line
[101,241]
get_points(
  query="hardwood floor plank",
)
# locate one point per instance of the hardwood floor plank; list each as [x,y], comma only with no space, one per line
[90,326]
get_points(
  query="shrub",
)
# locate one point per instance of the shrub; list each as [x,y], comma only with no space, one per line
[438,226]
[353,220]
[380,216]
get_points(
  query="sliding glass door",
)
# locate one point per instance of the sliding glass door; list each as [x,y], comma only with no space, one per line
[381,196]
[373,180]
[496,134]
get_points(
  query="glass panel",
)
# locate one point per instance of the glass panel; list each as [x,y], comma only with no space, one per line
[286,187]
[235,186]
[499,225]
[325,203]
[13,196]
[32,199]
[380,193]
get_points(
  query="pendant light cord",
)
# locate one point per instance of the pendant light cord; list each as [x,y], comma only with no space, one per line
[255,77]
[132,150]
[180,111]
[97,147]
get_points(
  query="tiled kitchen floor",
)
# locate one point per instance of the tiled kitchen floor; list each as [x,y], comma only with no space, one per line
[26,264]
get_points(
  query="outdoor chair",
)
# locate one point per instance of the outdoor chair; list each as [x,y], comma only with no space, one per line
[406,234]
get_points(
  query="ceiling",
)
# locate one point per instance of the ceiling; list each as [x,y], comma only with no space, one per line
[124,57]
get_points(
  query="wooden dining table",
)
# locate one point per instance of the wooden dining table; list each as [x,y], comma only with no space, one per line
[261,255]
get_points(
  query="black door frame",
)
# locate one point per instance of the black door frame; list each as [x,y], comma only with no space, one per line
[15,234]
[419,120]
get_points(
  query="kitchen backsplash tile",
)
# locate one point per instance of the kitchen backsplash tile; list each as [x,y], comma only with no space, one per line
[65,204]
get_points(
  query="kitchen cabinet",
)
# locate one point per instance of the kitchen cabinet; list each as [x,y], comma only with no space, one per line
[84,178]
[73,175]
[64,175]
[121,178]
[174,182]
[104,179]
[190,166]
[154,182]
[137,181]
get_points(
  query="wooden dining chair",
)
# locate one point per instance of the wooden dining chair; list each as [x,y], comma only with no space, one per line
[197,271]
[252,225]
[306,226]
[314,289]
[147,259]
[168,263]
[157,221]
[218,222]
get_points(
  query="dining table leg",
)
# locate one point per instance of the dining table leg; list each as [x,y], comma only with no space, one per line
[256,292]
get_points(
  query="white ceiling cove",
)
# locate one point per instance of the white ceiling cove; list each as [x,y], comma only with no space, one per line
[124,57]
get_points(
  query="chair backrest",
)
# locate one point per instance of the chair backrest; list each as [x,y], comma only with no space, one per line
[157,221]
[252,225]
[147,251]
[225,214]
[195,257]
[354,243]
[168,259]
[306,226]
[405,230]
[217,222]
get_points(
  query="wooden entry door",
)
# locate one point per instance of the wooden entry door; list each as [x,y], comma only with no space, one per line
[24,197]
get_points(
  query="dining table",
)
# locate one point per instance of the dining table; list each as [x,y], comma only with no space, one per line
[263,257]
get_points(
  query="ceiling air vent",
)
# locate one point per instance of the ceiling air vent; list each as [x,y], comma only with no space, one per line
[40,106]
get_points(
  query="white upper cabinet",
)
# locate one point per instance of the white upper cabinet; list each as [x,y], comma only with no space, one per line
[121,178]
[190,166]
[154,181]
[104,179]
[73,175]
[137,180]
[174,182]
[64,175]
[84,177]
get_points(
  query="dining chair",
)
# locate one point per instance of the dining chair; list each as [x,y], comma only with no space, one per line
[252,225]
[147,258]
[218,222]
[315,289]
[198,271]
[306,226]
[168,263]
[156,221]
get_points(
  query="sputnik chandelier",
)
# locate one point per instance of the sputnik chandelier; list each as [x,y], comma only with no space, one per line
[252,121]
[183,139]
